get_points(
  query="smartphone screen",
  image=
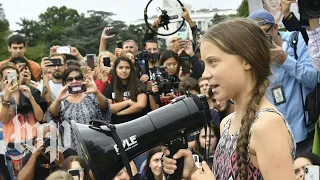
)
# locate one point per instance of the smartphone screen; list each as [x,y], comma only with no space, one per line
[55,62]
[74,173]
[106,62]
[119,44]
[63,50]
[77,89]
[90,60]
[311,172]
[12,75]
[185,62]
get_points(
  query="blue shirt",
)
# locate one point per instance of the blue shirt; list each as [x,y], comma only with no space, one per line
[290,74]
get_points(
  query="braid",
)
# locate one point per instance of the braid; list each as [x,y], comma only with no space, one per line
[249,115]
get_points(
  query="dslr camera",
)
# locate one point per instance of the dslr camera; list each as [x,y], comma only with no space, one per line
[166,83]
[309,9]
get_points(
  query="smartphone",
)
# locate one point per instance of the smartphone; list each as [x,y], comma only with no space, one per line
[185,62]
[196,160]
[22,66]
[119,44]
[12,75]
[311,172]
[75,89]
[106,62]
[90,61]
[111,32]
[63,50]
[181,35]
[75,173]
[55,61]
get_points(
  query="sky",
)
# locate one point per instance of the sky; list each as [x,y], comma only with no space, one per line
[126,10]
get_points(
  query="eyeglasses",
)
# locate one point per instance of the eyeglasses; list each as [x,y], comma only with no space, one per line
[77,78]
[271,26]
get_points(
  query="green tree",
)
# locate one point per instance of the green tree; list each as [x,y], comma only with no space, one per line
[243,10]
[4,32]
[32,30]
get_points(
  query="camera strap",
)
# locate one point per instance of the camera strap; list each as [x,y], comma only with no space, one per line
[117,140]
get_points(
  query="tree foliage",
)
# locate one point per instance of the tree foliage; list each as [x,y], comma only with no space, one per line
[4,32]
[64,26]
[243,9]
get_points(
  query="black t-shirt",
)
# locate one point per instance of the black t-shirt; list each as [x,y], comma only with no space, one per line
[41,172]
[110,94]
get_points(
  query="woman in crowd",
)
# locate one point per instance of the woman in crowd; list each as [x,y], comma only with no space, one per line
[102,74]
[81,106]
[302,161]
[202,140]
[154,167]
[18,104]
[255,140]
[24,71]
[163,94]
[76,163]
[60,175]
[126,93]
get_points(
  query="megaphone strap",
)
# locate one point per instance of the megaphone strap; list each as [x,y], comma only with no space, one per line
[117,140]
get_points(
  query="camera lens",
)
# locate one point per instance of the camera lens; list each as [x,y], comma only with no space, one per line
[306,170]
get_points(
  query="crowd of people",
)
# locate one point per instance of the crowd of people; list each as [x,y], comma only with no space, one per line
[256,80]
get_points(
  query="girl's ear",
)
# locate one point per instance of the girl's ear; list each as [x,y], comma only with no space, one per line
[247,66]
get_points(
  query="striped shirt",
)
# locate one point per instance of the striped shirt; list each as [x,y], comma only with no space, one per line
[314,47]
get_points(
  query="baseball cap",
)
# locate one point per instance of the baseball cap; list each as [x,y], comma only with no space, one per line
[262,16]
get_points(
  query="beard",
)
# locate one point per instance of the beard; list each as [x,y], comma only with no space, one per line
[57,75]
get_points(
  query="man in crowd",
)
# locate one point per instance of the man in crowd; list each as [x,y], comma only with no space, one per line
[17,48]
[37,165]
[51,88]
[290,77]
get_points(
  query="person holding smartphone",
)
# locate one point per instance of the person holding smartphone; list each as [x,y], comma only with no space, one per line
[79,100]
[102,73]
[78,168]
[22,103]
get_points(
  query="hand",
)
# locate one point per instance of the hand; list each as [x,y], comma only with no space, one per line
[169,165]
[8,89]
[144,78]
[53,49]
[74,52]
[25,76]
[170,96]
[180,45]
[285,7]
[45,64]
[154,88]
[105,71]
[185,15]
[39,147]
[25,91]
[104,35]
[63,94]
[156,23]
[203,173]
[189,49]
[90,72]
[278,55]
[91,86]
[117,52]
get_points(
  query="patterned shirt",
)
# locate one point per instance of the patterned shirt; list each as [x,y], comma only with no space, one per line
[314,47]
[225,157]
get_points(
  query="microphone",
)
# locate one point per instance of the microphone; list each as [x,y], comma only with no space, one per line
[164,126]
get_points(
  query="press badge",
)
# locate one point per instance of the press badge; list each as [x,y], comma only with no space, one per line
[278,95]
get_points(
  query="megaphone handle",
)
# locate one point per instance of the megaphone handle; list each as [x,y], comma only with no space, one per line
[174,146]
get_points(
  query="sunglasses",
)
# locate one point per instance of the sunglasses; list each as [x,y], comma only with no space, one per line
[77,78]
[269,28]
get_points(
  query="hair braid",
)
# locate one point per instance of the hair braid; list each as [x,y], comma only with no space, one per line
[250,112]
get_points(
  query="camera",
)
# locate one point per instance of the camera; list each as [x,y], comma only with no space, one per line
[166,83]
[55,61]
[144,55]
[309,9]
